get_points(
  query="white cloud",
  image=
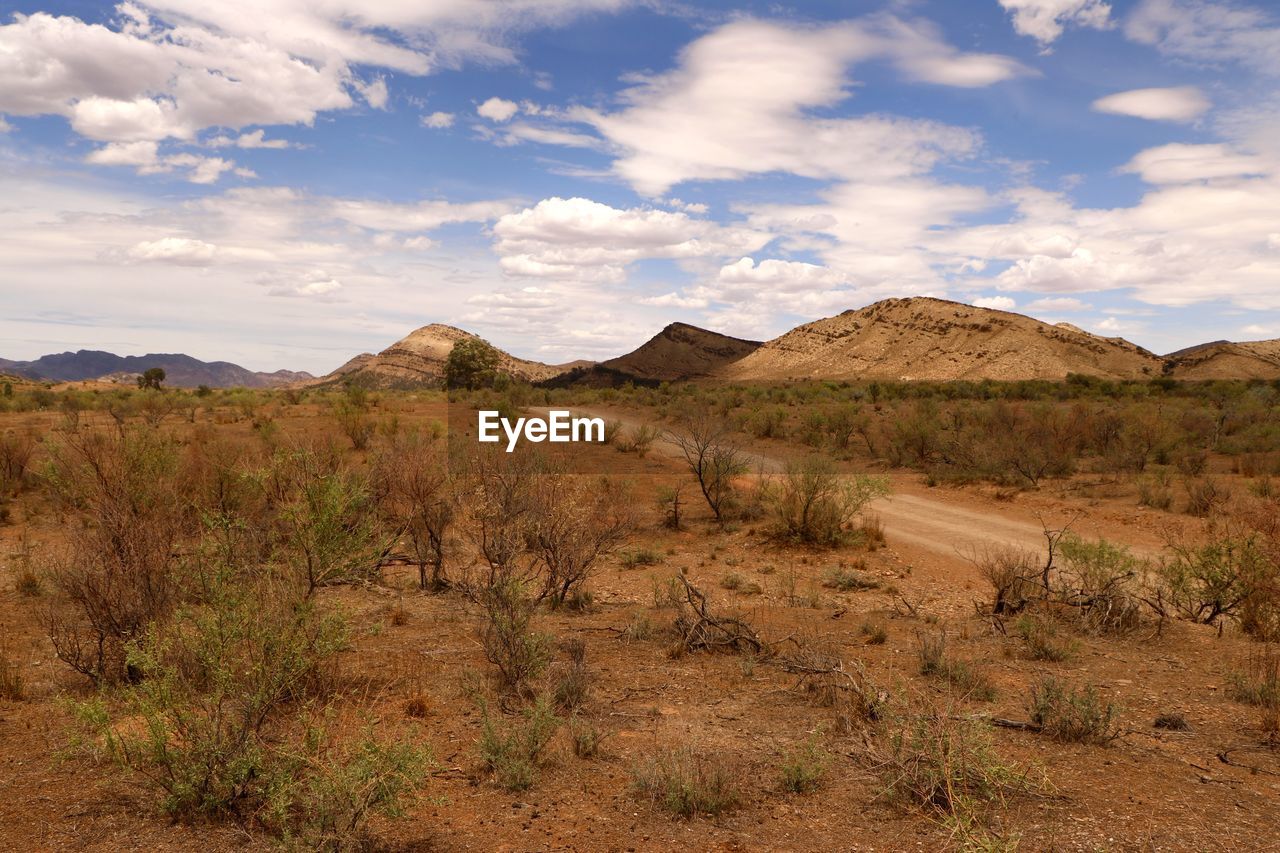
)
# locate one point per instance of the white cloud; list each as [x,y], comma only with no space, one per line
[147,160]
[1044,20]
[183,251]
[1057,303]
[999,303]
[580,239]
[1180,163]
[498,109]
[1206,31]
[437,120]
[252,139]
[171,69]
[779,275]
[1261,331]
[1180,103]
[738,104]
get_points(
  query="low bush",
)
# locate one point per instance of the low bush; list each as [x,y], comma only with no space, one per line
[962,675]
[813,504]
[803,767]
[1070,715]
[515,752]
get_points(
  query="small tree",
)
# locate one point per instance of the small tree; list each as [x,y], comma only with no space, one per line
[472,364]
[418,494]
[812,503]
[151,378]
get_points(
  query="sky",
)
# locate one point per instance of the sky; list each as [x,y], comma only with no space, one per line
[287,183]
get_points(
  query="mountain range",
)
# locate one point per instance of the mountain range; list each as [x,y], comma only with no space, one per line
[917,338]
[181,370]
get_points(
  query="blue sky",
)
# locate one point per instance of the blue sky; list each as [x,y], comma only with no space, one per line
[285,183]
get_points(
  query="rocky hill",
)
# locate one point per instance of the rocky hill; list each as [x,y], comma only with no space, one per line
[1227,360]
[934,339]
[681,351]
[418,360]
[181,370]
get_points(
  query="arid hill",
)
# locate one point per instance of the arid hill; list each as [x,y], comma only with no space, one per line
[681,351]
[419,360]
[934,339]
[181,370]
[1227,360]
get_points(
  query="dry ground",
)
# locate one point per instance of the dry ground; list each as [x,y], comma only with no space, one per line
[1150,790]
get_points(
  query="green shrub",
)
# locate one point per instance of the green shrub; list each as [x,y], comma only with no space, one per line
[962,675]
[1040,636]
[813,504]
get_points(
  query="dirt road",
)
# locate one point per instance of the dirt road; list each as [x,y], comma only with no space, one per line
[940,526]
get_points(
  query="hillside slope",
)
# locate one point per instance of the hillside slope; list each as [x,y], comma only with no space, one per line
[934,339]
[1227,360]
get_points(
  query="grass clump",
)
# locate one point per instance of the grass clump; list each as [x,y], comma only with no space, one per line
[1041,639]
[849,579]
[803,768]
[515,753]
[962,675]
[685,783]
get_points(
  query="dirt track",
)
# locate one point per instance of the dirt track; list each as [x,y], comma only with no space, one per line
[938,526]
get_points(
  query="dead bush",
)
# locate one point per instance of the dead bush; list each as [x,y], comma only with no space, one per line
[12,684]
[1205,496]
[713,458]
[418,495]
[573,523]
[573,681]
[698,628]
[119,573]
[1013,575]
[1258,683]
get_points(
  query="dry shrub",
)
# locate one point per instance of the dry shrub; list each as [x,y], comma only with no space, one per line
[813,504]
[1040,637]
[572,687]
[1013,575]
[713,458]
[418,496]
[1210,581]
[1258,683]
[946,764]
[829,682]
[1072,716]
[962,675]
[574,523]
[1205,496]
[12,684]
[510,643]
[686,783]
[515,752]
[119,574]
[1100,582]
[804,766]
[16,451]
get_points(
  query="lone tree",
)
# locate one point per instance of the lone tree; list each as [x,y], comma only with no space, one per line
[151,378]
[712,456]
[472,364]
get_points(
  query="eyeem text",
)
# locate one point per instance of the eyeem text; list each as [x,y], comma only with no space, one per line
[558,426]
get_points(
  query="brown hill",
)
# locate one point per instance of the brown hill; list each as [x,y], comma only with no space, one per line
[419,360]
[1227,360]
[681,351]
[934,339]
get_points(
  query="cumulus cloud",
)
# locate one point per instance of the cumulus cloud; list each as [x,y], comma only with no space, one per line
[1179,103]
[498,109]
[738,104]
[1045,20]
[1058,303]
[577,238]
[999,303]
[252,139]
[437,120]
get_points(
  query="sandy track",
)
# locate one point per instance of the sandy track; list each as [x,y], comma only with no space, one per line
[934,525]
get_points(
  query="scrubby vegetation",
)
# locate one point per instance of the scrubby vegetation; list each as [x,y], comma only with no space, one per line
[296,615]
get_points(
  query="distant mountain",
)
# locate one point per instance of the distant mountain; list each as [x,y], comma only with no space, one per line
[1227,360]
[418,360]
[934,339]
[181,370]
